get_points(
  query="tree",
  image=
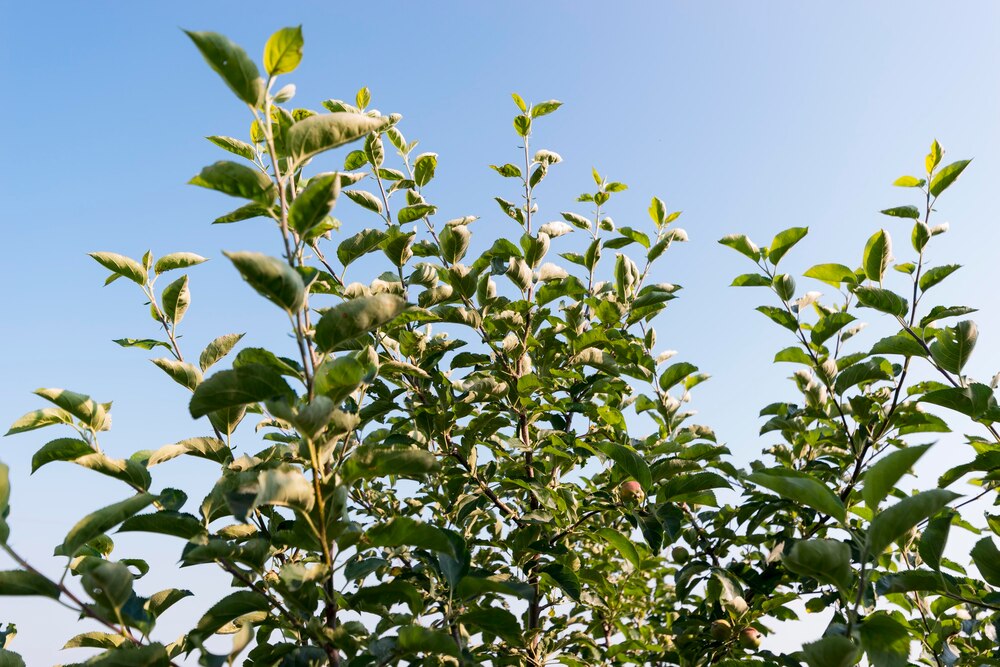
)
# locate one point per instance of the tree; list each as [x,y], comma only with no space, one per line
[452,467]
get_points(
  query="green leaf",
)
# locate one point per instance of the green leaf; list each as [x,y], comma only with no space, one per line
[946,176]
[544,108]
[237,180]
[751,280]
[801,488]
[831,651]
[975,401]
[675,373]
[60,449]
[784,242]
[314,204]
[934,539]
[285,488]
[365,199]
[909,182]
[95,640]
[211,449]
[283,51]
[882,477]
[832,274]
[414,212]
[564,578]
[986,556]
[234,146]
[245,212]
[324,132]
[826,561]
[829,325]
[80,406]
[418,639]
[901,343]
[738,242]
[176,298]
[371,461]
[953,346]
[622,545]
[353,318]
[40,419]
[123,266]
[228,608]
[21,582]
[217,349]
[182,373]
[165,522]
[779,316]
[247,384]
[882,300]
[871,370]
[496,621]
[936,274]
[109,584]
[101,521]
[795,355]
[878,252]
[894,522]
[886,639]
[231,63]
[359,245]
[630,462]
[403,531]
[273,279]
[177,260]
[142,343]
[10,659]
[902,212]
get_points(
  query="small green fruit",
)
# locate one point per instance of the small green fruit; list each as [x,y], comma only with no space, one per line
[750,638]
[680,555]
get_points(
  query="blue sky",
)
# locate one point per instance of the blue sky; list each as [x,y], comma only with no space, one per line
[751,117]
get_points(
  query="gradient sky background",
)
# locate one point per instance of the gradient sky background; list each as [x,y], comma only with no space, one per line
[751,117]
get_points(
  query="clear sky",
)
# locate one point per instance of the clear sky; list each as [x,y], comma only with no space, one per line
[749,116]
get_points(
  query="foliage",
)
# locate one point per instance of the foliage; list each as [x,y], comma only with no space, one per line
[451,466]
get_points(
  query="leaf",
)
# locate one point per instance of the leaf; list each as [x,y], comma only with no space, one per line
[228,608]
[273,279]
[79,405]
[800,487]
[784,242]
[828,325]
[245,212]
[22,582]
[109,584]
[165,522]
[123,266]
[881,478]
[779,316]
[359,245]
[986,556]
[371,461]
[544,108]
[180,372]
[285,488]
[211,449]
[886,639]
[901,343]
[831,651]
[833,274]
[565,578]
[60,449]
[894,522]
[234,146]
[878,252]
[630,461]
[283,51]
[975,401]
[39,419]
[217,349]
[909,211]
[908,182]
[738,242]
[936,274]
[353,318]
[314,203]
[675,373]
[101,521]
[176,298]
[418,639]
[946,176]
[826,561]
[142,343]
[751,280]
[882,300]
[324,132]
[953,346]
[622,545]
[247,384]
[934,539]
[871,370]
[236,180]
[177,260]
[231,63]
[414,212]
[496,621]
[403,531]
[365,199]
[681,486]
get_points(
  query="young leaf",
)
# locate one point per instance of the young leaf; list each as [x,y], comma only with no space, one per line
[947,176]
[217,349]
[312,206]
[40,419]
[231,63]
[273,279]
[236,180]
[878,252]
[894,522]
[784,242]
[738,242]
[283,51]
[176,298]
[177,260]
[123,266]
[353,318]
[240,386]
[882,477]
[324,132]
